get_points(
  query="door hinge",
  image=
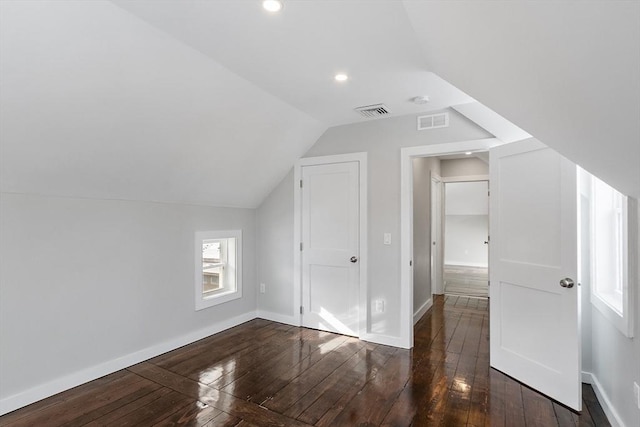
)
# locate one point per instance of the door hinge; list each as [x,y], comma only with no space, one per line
[300,183]
[301,309]
[300,246]
[410,263]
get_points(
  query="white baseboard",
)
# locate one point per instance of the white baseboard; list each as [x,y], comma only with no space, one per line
[384,340]
[422,310]
[603,399]
[58,385]
[277,317]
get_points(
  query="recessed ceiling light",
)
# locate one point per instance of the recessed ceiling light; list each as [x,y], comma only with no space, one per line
[341,77]
[272,5]
[468,153]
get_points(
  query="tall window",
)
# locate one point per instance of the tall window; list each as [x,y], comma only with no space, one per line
[218,267]
[608,252]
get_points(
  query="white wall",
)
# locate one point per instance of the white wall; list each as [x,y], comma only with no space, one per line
[89,285]
[382,140]
[422,289]
[612,359]
[464,167]
[274,219]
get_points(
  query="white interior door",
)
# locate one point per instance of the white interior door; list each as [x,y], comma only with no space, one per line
[330,242]
[534,320]
[437,282]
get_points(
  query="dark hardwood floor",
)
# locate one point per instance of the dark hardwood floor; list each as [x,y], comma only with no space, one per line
[264,373]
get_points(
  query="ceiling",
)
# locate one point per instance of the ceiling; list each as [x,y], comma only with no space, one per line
[211,102]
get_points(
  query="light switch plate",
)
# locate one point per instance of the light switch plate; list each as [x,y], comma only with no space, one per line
[387,238]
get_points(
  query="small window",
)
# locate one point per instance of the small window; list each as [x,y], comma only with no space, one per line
[608,252]
[218,271]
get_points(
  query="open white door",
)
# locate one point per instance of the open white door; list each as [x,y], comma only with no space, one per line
[535,335]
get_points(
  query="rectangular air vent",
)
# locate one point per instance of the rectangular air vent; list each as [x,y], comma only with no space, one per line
[433,121]
[370,111]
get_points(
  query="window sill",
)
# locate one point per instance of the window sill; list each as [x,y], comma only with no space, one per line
[621,322]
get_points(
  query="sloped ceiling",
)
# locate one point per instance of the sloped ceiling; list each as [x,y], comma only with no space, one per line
[211,102]
[96,103]
[567,72]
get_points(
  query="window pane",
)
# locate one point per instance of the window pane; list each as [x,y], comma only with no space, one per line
[211,250]
[607,244]
[211,274]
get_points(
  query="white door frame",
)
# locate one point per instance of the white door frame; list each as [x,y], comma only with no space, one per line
[406,220]
[361,158]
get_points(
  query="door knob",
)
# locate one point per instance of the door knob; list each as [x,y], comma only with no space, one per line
[354,259]
[566,283]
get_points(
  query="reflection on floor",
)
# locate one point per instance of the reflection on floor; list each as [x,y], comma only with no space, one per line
[467,281]
[264,373]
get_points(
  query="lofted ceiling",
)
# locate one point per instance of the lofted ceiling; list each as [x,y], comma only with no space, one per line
[211,102]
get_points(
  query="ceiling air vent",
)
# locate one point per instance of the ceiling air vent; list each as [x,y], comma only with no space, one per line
[433,121]
[370,111]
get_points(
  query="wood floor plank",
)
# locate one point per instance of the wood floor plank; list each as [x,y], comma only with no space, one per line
[538,409]
[514,408]
[94,399]
[303,383]
[261,360]
[496,416]
[594,409]
[155,411]
[373,402]
[195,414]
[276,379]
[329,405]
[330,383]
[129,408]
[224,420]
[212,397]
[60,398]
[566,417]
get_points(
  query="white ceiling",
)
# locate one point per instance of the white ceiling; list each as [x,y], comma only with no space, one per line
[567,72]
[211,102]
[295,54]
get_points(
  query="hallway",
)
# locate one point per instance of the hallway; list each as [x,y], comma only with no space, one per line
[263,373]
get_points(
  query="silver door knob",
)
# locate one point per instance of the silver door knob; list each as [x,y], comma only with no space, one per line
[566,283]
[354,259]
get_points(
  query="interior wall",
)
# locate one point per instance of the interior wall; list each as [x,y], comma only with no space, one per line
[274,220]
[382,140]
[87,282]
[611,358]
[422,289]
[464,167]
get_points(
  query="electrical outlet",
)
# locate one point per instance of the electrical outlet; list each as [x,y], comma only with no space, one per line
[636,393]
[262,288]
[379,306]
[387,238]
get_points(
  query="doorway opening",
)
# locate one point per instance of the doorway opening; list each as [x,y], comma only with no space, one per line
[466,238]
[413,306]
[450,227]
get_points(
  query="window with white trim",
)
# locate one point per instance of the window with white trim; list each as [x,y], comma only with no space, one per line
[608,252]
[218,267]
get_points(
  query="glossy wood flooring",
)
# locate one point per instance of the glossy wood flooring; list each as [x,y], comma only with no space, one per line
[263,373]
